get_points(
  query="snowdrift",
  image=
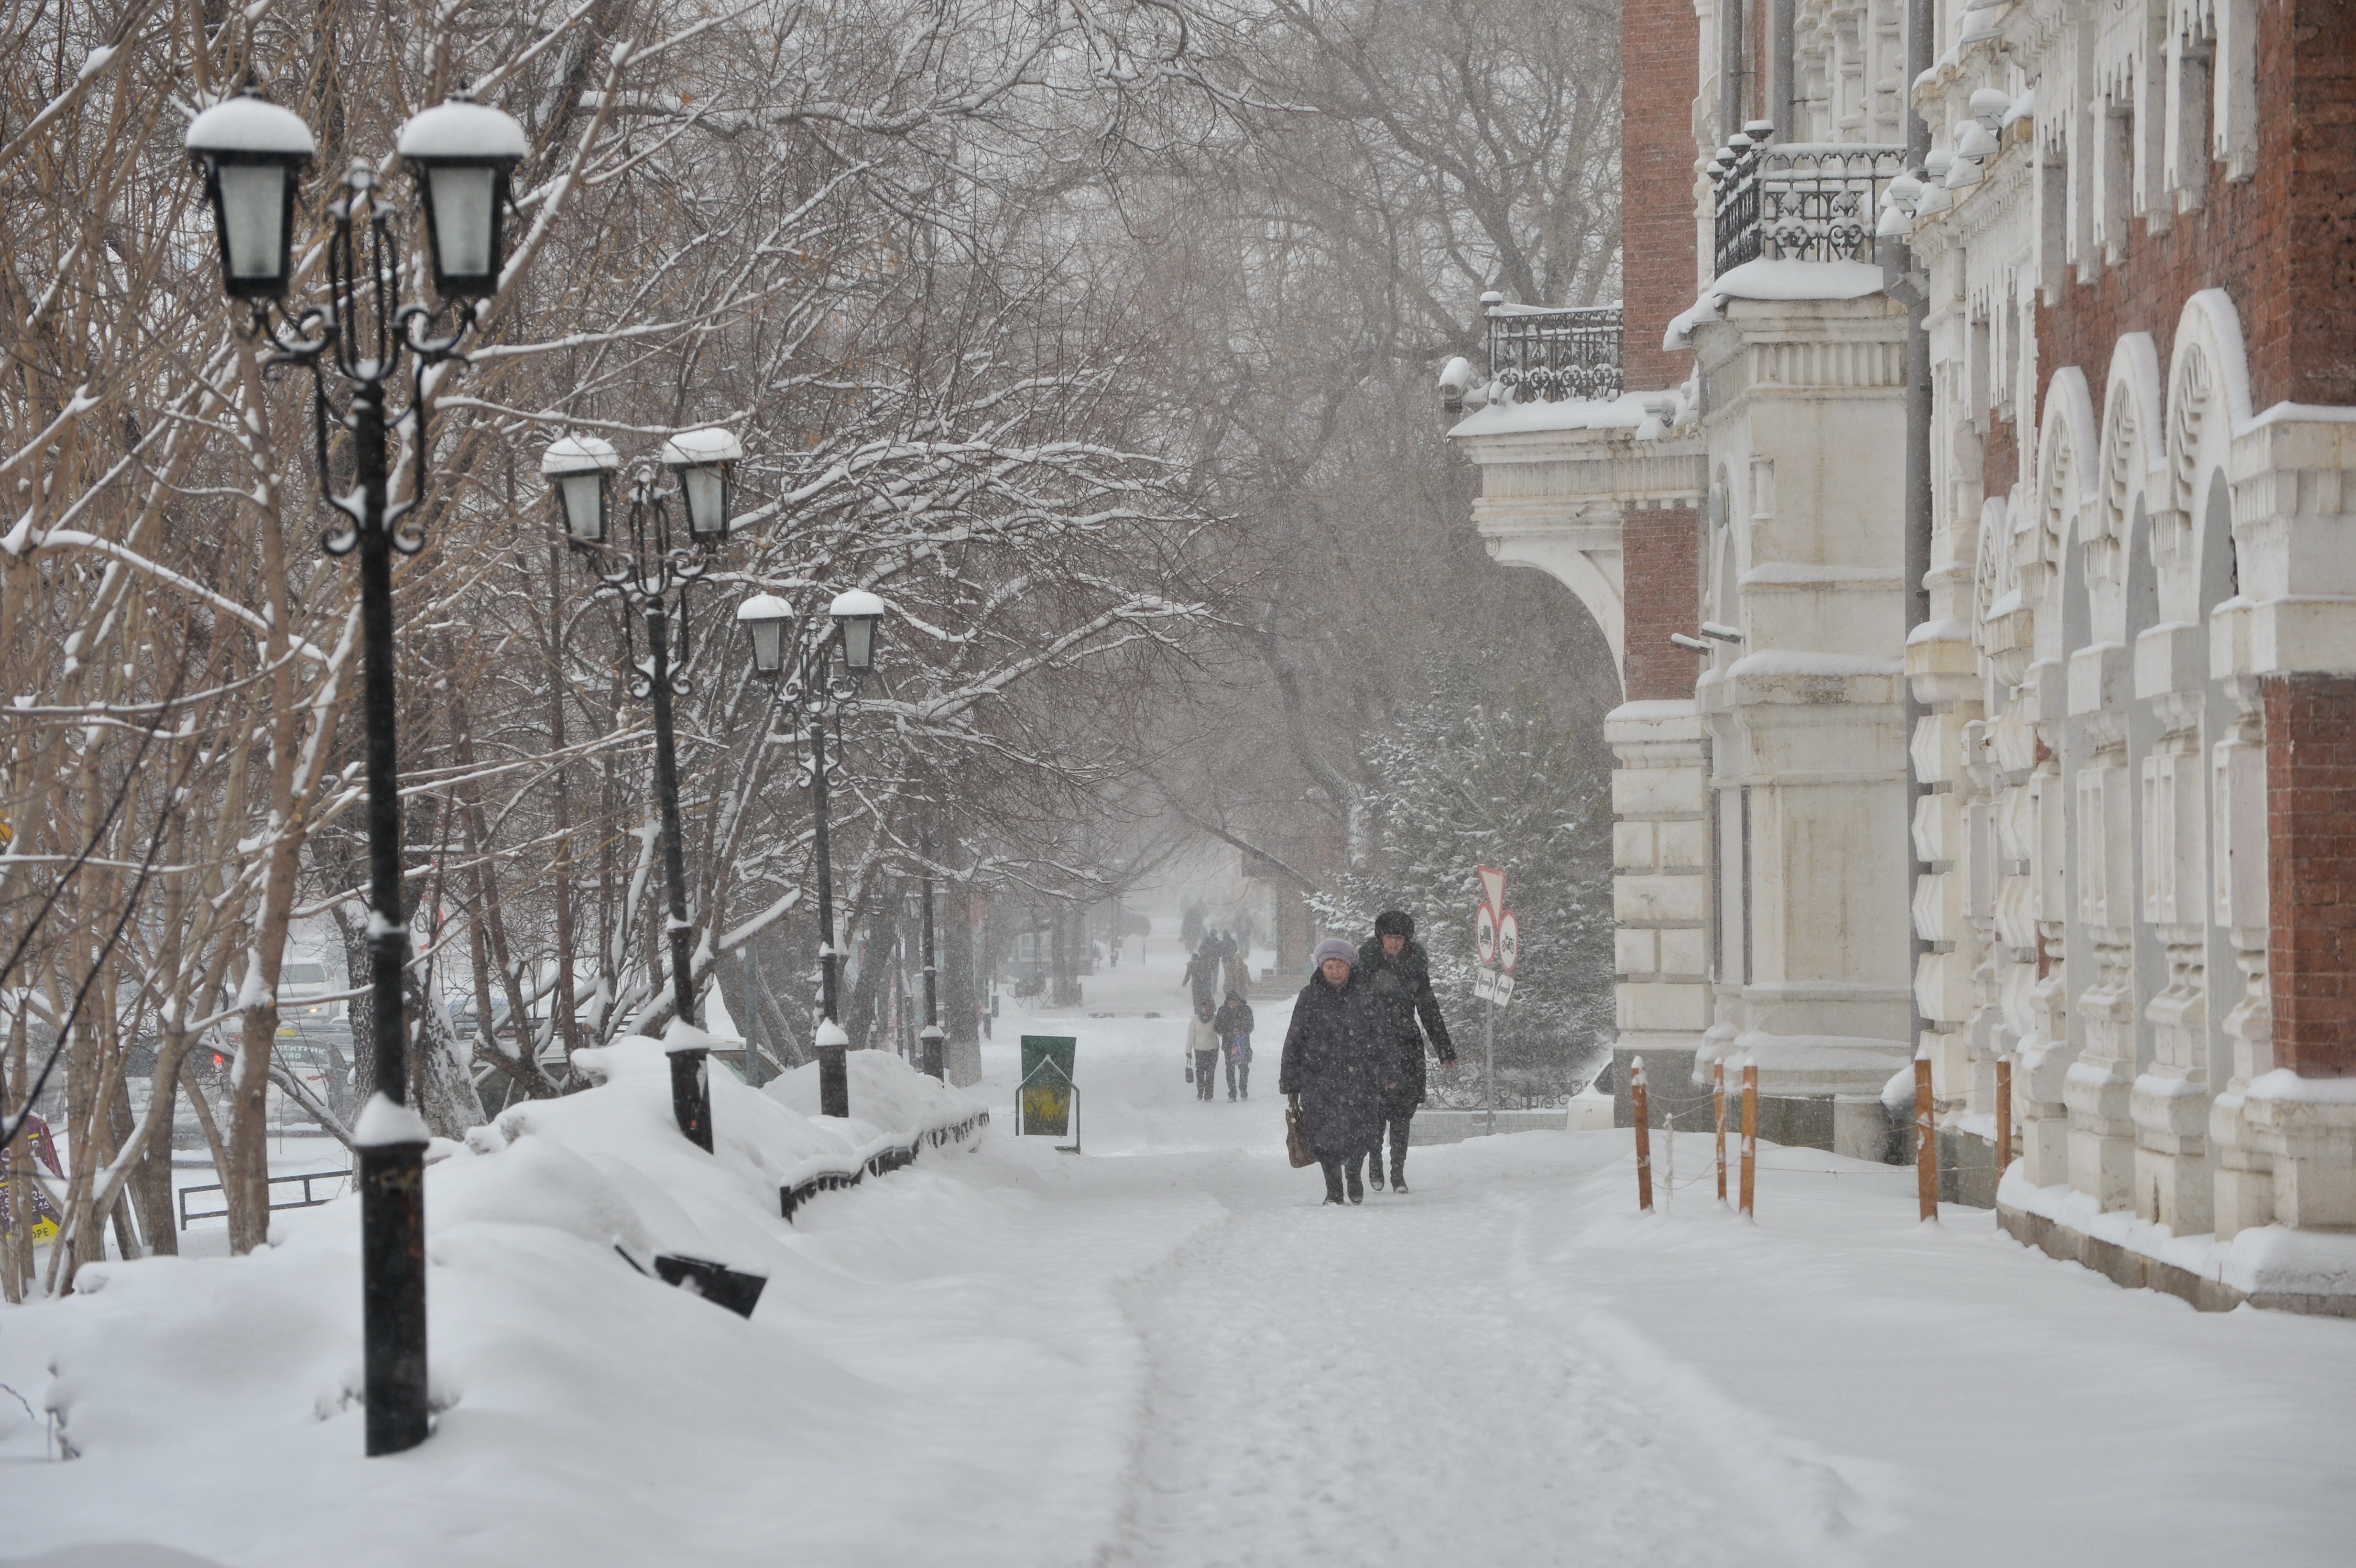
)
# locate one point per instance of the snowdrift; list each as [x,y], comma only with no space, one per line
[566,1183]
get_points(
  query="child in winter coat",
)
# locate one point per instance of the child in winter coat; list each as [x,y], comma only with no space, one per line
[1233,1022]
[1202,1049]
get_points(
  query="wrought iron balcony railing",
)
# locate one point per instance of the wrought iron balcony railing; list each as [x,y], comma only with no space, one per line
[1804,201]
[1541,354]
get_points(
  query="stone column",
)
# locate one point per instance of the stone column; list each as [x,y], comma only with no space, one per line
[1660,896]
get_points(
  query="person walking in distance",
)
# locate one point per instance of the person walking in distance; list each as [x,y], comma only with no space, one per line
[1203,1050]
[1328,1067]
[1203,974]
[1395,969]
[1233,1022]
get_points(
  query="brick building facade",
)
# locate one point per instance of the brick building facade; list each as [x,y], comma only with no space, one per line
[2097,759]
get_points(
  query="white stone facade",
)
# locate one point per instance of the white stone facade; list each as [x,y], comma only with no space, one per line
[2123,554]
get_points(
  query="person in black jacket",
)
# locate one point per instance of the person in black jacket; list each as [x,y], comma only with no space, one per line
[1328,1069]
[1393,966]
[1233,1022]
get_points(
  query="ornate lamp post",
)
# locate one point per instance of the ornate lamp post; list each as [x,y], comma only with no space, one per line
[651,571]
[820,694]
[252,155]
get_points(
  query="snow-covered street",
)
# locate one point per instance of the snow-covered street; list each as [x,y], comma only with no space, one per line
[1164,1353]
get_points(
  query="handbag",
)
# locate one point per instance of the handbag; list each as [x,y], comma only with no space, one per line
[1296,1138]
[1190,1075]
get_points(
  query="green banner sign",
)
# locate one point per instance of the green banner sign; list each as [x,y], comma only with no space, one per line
[1043,1102]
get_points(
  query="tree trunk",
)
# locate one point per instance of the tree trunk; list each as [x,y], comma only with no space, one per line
[960,1016]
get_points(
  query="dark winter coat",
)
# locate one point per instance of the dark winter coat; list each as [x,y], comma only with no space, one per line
[1234,1018]
[1203,976]
[1401,989]
[1330,1055]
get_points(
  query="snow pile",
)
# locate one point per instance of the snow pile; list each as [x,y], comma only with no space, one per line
[893,1107]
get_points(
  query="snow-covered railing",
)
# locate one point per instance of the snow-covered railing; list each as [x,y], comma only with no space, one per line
[1538,353]
[1801,201]
[897,1112]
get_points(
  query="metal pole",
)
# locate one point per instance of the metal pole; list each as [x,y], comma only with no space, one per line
[833,1046]
[690,1086]
[392,1164]
[1489,1058]
[934,1066]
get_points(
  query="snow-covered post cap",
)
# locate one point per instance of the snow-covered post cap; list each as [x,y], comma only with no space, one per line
[579,454]
[931,1031]
[830,1033]
[695,448]
[681,1037]
[461,128]
[385,1124]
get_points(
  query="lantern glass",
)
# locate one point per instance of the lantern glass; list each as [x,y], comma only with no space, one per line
[705,485]
[859,644]
[253,202]
[768,645]
[465,197]
[583,496]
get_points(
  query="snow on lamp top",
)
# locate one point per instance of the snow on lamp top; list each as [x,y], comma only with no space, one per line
[462,128]
[251,125]
[579,454]
[764,607]
[855,603]
[694,448]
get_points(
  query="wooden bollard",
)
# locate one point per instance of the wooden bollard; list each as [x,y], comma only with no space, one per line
[2003,1112]
[1926,1142]
[1643,1134]
[1750,1130]
[1718,1099]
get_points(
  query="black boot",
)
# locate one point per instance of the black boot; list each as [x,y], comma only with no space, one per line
[1357,1187]
[1334,1180]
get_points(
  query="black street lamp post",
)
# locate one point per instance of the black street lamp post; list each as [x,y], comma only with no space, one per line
[651,572]
[813,686]
[252,155]
[932,1032]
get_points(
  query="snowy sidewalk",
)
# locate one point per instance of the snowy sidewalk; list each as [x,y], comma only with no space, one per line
[1165,1354]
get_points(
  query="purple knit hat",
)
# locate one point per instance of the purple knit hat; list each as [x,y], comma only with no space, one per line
[1334,947]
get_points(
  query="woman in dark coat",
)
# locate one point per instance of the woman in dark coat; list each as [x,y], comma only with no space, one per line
[1394,966]
[1329,1067]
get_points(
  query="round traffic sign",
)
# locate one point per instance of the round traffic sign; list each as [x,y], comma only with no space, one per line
[1509,942]
[1484,935]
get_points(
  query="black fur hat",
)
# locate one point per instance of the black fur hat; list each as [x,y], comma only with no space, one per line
[1394,923]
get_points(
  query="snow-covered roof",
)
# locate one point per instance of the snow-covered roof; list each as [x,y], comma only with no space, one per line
[460,129]
[1507,418]
[248,124]
[691,447]
[854,602]
[1775,278]
[578,455]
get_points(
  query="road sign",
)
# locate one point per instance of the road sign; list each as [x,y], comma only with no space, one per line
[1492,890]
[1502,990]
[1484,985]
[1509,941]
[1484,935]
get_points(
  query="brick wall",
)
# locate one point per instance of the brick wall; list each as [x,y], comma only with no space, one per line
[2311,871]
[1660,549]
[1659,42]
[1999,460]
[1661,557]
[2283,243]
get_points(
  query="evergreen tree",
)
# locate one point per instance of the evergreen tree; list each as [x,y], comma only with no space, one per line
[1455,785]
